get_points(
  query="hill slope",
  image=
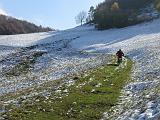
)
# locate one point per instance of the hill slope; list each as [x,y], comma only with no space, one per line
[66,52]
[10,26]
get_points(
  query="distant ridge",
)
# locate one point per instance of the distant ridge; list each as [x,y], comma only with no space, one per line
[11,26]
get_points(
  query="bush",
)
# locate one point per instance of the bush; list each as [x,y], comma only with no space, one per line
[157,4]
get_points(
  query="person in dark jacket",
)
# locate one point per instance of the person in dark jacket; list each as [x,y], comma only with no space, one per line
[119,54]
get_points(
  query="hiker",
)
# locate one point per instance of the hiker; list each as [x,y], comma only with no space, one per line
[119,54]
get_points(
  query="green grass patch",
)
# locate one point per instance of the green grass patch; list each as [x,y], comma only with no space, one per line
[92,94]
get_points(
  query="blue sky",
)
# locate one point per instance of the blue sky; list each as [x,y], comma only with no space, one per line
[58,14]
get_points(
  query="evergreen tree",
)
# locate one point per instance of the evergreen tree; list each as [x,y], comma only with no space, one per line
[91,14]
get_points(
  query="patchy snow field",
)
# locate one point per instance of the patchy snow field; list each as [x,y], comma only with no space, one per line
[141,43]
[68,52]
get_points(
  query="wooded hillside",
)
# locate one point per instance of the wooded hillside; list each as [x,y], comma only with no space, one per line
[10,26]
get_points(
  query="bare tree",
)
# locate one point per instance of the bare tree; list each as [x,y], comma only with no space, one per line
[81,17]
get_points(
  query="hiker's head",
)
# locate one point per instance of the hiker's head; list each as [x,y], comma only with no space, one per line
[120,50]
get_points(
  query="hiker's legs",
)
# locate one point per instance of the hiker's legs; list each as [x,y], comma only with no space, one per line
[119,61]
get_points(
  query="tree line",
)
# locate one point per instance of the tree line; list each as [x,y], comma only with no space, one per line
[116,13]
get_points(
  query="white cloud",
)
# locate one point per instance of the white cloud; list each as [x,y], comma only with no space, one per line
[3,12]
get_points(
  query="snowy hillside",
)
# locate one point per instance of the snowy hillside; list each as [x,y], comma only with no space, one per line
[61,54]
